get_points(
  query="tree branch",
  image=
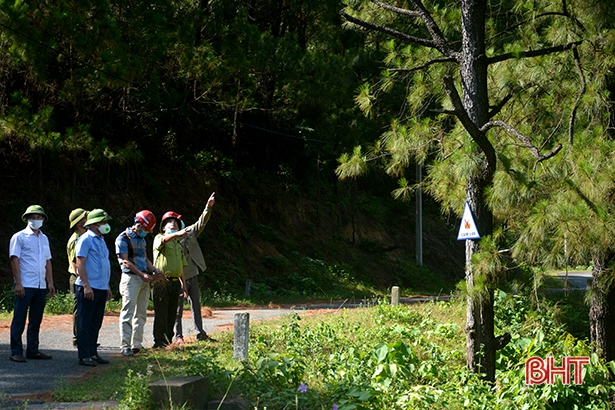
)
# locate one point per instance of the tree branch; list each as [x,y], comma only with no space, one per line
[513,27]
[532,53]
[476,134]
[573,113]
[524,139]
[563,13]
[398,10]
[449,112]
[389,31]
[436,34]
[496,109]
[438,40]
[427,64]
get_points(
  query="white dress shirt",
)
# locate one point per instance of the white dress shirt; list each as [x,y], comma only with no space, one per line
[33,252]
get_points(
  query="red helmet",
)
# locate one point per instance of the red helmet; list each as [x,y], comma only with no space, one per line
[168,215]
[147,219]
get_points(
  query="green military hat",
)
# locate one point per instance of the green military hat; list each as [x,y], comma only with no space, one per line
[97,215]
[76,215]
[34,209]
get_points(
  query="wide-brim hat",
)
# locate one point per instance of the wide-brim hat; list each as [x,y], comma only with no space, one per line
[97,215]
[75,216]
[34,209]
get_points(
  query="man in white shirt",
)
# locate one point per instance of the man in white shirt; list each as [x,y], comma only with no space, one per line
[31,265]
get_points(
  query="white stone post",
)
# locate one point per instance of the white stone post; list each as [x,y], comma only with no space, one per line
[395,296]
[242,335]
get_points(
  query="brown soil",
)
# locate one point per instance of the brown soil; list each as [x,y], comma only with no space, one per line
[65,322]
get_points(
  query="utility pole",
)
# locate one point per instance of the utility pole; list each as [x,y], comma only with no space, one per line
[419,215]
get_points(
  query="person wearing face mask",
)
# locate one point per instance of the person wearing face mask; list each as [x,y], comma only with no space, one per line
[169,258]
[32,273]
[92,286]
[196,264]
[76,222]
[137,274]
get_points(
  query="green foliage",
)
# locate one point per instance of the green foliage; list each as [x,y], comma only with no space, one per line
[60,303]
[7,298]
[136,392]
[384,357]
[281,371]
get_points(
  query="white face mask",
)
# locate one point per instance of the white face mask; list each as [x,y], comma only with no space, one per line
[104,229]
[35,223]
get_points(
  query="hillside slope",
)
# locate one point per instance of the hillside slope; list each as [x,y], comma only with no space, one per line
[283,237]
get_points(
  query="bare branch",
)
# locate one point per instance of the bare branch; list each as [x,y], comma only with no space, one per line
[388,30]
[513,27]
[398,10]
[476,134]
[436,34]
[427,64]
[563,13]
[532,53]
[524,139]
[452,152]
[573,113]
[496,109]
[442,111]
[438,40]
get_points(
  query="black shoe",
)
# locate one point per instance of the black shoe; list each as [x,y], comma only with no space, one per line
[87,362]
[159,346]
[38,356]
[100,360]
[208,339]
[18,358]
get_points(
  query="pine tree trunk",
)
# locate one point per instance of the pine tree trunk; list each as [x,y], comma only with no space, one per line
[602,310]
[480,339]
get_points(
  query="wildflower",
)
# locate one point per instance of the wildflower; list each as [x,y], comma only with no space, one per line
[302,388]
[335,406]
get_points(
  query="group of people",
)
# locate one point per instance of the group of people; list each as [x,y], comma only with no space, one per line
[172,277]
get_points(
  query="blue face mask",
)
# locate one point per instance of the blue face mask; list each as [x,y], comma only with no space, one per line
[170,231]
[142,234]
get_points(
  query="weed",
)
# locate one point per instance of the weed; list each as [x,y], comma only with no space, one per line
[385,357]
[61,303]
[136,392]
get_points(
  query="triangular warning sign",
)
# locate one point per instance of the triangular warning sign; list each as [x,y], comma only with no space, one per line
[468,229]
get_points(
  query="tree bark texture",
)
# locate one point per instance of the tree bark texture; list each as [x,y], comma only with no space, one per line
[602,310]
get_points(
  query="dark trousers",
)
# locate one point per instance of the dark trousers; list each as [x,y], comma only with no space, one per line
[34,302]
[90,314]
[71,288]
[166,296]
[194,296]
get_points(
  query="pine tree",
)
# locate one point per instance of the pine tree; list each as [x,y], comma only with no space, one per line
[490,86]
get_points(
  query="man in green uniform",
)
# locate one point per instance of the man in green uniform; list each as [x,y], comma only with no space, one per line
[76,222]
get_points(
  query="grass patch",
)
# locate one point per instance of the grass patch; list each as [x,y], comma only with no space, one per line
[370,358]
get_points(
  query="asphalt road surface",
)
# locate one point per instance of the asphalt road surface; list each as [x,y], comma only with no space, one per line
[576,279]
[34,379]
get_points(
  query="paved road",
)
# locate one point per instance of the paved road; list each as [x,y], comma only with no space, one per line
[39,376]
[576,279]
